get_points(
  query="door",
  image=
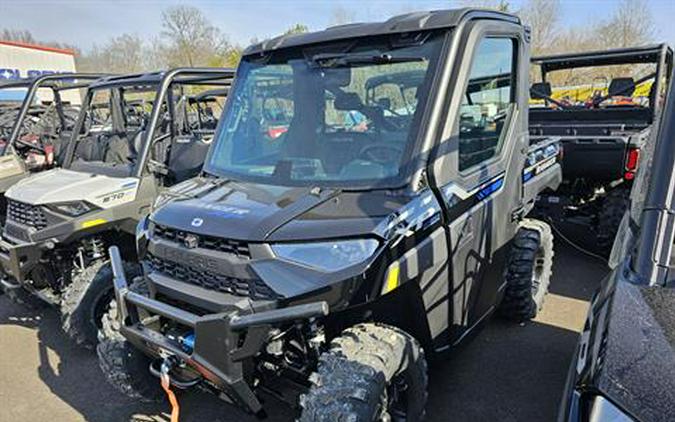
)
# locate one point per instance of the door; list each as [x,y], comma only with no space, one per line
[483,189]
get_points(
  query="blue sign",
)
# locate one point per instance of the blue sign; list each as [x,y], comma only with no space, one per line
[32,73]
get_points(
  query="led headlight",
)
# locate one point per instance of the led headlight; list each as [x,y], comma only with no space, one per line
[327,256]
[73,209]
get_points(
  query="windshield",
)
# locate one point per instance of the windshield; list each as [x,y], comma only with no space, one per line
[316,117]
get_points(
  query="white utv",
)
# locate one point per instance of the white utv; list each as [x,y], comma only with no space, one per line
[37,116]
[59,223]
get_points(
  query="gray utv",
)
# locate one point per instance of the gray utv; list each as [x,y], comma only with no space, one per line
[135,136]
[364,205]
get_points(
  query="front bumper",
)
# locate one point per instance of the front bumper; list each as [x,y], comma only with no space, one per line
[222,341]
[18,259]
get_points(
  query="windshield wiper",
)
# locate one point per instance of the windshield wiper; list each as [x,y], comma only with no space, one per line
[346,60]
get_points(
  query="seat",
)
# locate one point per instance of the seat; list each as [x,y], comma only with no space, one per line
[624,87]
[186,157]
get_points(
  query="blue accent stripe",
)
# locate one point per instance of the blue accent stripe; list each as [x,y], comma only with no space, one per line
[491,188]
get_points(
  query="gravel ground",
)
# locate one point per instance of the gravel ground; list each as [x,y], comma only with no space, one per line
[507,373]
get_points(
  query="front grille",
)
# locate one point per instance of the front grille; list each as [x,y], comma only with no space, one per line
[252,288]
[26,214]
[235,247]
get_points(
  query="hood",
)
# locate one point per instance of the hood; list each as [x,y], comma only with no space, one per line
[256,212]
[62,185]
[637,366]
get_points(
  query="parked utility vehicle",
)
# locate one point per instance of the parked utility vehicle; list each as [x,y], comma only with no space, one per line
[122,154]
[35,130]
[376,228]
[624,368]
[606,104]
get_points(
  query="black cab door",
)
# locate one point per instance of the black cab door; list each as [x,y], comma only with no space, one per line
[479,174]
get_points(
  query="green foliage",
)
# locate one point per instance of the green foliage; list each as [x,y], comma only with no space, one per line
[298,28]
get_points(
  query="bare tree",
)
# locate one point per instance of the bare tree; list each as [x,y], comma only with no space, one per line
[500,5]
[543,17]
[18,35]
[342,16]
[123,54]
[631,24]
[190,39]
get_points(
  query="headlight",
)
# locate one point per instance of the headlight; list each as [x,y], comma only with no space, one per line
[73,209]
[327,256]
[603,410]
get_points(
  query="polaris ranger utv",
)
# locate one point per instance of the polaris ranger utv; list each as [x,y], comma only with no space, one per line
[624,369]
[605,105]
[321,264]
[123,152]
[34,132]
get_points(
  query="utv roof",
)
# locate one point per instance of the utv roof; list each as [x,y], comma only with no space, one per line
[56,81]
[185,76]
[409,22]
[633,55]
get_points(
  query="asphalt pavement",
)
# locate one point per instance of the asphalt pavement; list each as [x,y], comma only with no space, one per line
[508,372]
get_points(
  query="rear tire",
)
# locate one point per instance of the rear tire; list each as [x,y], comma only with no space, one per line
[87,298]
[124,366]
[528,272]
[613,208]
[372,372]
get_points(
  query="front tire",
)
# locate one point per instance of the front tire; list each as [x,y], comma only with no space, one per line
[528,272]
[372,372]
[87,298]
[124,366]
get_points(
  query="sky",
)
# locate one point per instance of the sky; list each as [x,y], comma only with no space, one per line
[87,22]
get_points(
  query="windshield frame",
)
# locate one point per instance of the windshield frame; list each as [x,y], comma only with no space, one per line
[415,135]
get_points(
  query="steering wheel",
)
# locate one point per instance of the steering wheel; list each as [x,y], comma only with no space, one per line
[29,145]
[373,152]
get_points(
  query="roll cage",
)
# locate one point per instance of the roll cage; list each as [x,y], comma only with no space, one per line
[659,54]
[56,83]
[162,82]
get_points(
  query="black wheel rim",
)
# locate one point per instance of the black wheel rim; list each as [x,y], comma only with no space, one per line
[538,269]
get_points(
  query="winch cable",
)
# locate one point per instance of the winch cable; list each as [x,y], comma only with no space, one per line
[165,380]
[574,244]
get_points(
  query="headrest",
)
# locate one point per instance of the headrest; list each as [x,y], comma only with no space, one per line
[624,87]
[540,90]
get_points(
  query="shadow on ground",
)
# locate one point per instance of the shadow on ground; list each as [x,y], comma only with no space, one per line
[507,373]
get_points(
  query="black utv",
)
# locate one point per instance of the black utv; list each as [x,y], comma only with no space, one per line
[383,222]
[136,136]
[624,369]
[604,107]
